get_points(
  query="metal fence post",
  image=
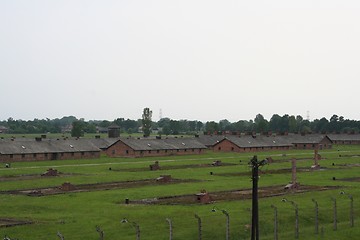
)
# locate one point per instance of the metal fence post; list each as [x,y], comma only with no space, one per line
[275,222]
[101,232]
[334,213]
[170,228]
[316,216]
[199,226]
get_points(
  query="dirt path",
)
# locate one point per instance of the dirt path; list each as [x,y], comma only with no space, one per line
[241,194]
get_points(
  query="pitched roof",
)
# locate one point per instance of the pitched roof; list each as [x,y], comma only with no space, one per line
[103,143]
[162,144]
[258,141]
[46,146]
[210,140]
[308,138]
[344,137]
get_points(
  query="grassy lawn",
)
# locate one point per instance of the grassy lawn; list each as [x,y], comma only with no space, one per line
[75,214]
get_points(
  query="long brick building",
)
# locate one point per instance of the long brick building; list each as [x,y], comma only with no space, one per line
[255,143]
[133,147]
[14,150]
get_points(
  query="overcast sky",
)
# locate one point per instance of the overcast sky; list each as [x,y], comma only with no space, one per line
[196,60]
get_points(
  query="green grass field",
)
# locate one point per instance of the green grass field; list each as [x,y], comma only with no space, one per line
[76,215]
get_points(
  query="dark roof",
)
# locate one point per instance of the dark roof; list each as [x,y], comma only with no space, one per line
[114,126]
[344,137]
[305,139]
[210,140]
[276,141]
[46,146]
[103,143]
[258,141]
[163,144]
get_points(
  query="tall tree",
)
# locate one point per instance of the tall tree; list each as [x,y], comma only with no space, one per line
[275,123]
[292,124]
[284,126]
[146,121]
[322,126]
[175,127]
[211,127]
[261,124]
[77,128]
[299,122]
[224,125]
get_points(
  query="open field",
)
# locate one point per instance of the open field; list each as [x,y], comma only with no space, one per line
[101,187]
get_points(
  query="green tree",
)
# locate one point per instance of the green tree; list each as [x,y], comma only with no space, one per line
[77,128]
[292,124]
[211,127]
[299,122]
[261,124]
[224,125]
[146,122]
[175,127]
[242,126]
[275,123]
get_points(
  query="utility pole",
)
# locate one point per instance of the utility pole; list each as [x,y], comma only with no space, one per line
[255,164]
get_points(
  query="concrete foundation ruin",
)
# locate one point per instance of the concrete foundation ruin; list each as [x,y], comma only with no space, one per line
[50,173]
[66,186]
[155,166]
[203,197]
[216,163]
[164,178]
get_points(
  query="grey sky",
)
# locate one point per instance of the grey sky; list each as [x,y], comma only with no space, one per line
[203,60]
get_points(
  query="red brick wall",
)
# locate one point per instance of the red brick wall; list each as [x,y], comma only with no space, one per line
[347,142]
[119,149]
[311,146]
[228,146]
[167,152]
[48,156]
[305,145]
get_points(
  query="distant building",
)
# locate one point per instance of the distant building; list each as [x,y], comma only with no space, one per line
[209,140]
[13,150]
[134,147]
[114,131]
[308,141]
[101,130]
[66,129]
[250,143]
[3,129]
[255,143]
[347,139]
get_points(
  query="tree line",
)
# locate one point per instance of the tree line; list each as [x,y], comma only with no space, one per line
[167,126]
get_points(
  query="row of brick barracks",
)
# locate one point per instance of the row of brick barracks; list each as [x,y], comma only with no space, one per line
[42,148]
